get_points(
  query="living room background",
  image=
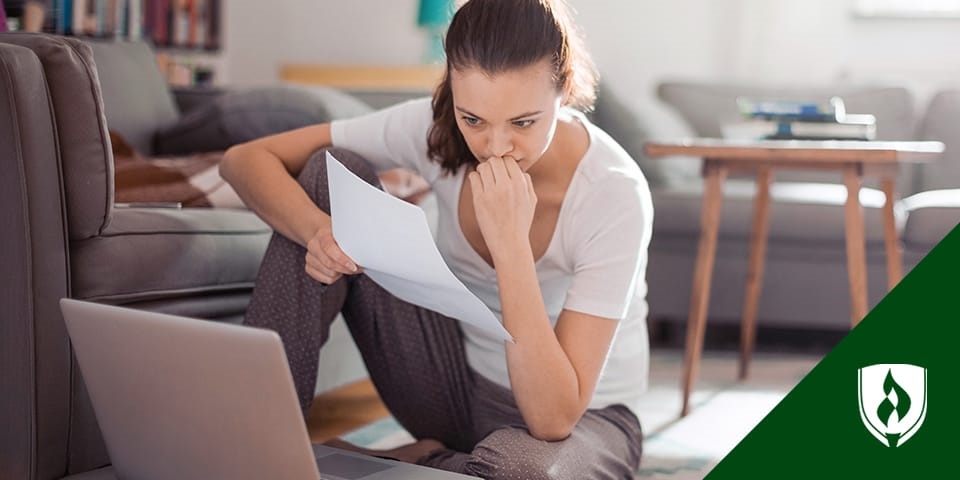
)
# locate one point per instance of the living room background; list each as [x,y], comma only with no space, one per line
[635,43]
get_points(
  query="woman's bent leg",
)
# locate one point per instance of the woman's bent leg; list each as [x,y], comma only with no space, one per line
[415,356]
[416,360]
[605,444]
[287,300]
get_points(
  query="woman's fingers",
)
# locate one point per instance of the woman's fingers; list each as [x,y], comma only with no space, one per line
[325,261]
[498,169]
[322,274]
[339,261]
[476,184]
[487,179]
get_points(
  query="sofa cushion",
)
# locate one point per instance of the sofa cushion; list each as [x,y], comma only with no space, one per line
[799,212]
[240,116]
[167,251]
[632,124]
[138,101]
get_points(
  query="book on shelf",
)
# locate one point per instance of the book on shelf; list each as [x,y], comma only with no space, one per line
[186,24]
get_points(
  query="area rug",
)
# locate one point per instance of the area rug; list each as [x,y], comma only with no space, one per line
[723,411]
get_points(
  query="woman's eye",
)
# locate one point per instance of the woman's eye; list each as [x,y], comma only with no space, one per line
[523,123]
[472,121]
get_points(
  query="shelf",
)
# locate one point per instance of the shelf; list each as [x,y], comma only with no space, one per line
[365,77]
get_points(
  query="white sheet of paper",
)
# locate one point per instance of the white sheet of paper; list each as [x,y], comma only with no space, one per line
[391,240]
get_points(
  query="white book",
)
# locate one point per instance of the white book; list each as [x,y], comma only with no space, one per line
[767,129]
[79,21]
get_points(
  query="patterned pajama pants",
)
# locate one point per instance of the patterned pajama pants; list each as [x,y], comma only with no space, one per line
[416,360]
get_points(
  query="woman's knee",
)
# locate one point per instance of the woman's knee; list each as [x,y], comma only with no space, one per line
[313,177]
[511,453]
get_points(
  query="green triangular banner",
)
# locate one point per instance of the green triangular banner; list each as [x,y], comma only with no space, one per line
[831,425]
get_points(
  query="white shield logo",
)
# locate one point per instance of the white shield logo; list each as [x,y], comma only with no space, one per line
[893,400]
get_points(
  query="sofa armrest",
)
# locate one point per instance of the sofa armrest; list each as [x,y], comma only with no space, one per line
[930,216]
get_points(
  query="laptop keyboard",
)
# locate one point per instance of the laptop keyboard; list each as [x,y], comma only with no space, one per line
[348,467]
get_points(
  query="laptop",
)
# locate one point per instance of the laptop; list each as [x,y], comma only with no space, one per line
[188,399]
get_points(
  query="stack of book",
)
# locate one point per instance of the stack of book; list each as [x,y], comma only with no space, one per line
[792,120]
[188,24]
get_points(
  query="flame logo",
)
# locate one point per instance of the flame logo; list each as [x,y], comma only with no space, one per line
[887,408]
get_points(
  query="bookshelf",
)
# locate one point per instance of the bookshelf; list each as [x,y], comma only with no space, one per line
[186,34]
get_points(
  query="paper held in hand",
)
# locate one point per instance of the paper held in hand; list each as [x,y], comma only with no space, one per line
[391,240]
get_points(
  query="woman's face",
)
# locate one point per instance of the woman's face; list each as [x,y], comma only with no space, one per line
[512,114]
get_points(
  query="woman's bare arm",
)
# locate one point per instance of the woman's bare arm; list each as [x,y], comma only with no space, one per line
[263,173]
[553,372]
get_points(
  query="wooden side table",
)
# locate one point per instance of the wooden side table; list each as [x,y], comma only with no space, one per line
[854,159]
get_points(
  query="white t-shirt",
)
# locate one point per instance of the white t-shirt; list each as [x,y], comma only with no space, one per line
[595,263]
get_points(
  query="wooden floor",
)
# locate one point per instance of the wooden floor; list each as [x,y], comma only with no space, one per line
[344,409]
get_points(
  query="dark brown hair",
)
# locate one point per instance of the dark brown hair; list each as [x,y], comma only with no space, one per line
[497,36]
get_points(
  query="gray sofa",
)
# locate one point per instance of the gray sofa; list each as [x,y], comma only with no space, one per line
[63,236]
[805,283]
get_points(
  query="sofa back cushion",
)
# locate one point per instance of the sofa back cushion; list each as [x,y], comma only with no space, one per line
[942,122]
[238,116]
[84,144]
[633,122]
[138,101]
[706,107]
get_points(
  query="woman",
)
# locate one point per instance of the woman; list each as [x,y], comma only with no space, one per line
[541,214]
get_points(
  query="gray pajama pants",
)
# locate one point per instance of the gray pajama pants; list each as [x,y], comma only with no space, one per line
[416,360]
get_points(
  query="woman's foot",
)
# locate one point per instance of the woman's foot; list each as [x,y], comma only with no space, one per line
[408,453]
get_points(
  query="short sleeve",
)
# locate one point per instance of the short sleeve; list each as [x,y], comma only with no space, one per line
[390,138]
[609,243]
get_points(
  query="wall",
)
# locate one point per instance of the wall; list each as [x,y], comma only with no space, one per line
[635,42]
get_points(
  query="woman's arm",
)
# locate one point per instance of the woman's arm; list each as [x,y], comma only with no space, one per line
[263,173]
[553,372]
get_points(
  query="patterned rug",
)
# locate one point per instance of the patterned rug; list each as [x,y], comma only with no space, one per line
[723,411]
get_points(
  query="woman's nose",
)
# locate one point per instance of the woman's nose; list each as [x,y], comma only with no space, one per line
[500,143]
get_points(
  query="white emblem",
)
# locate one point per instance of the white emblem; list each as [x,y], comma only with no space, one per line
[893,401]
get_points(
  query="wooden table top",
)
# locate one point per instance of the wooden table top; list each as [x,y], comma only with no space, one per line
[800,151]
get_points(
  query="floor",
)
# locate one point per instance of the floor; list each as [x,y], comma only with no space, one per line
[343,410]
[724,410]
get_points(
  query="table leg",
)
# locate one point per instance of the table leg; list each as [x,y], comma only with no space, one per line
[891,239]
[856,250]
[758,250]
[700,294]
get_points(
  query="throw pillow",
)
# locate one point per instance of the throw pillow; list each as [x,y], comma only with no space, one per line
[243,115]
[633,124]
